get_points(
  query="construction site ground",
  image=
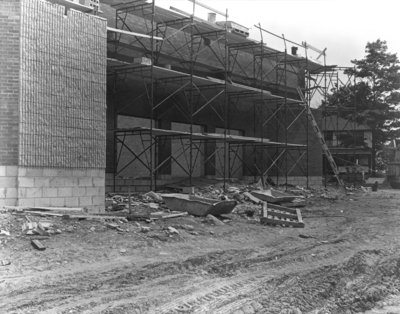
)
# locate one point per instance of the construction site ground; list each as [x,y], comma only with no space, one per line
[345,260]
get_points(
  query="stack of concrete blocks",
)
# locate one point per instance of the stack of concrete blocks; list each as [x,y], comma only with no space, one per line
[59,88]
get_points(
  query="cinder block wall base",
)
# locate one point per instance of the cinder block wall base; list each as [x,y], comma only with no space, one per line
[38,186]
[61,187]
[8,185]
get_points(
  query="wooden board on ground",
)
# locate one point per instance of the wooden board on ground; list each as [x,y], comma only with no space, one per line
[273,196]
[68,216]
[38,245]
[282,216]
[58,209]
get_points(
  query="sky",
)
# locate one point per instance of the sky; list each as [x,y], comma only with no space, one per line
[343,27]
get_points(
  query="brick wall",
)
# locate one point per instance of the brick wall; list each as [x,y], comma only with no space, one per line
[63,87]
[52,106]
[9,81]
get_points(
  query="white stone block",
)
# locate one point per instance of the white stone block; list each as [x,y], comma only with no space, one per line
[50,192]
[8,182]
[85,201]
[42,182]
[34,192]
[50,172]
[11,171]
[64,192]
[71,201]
[3,171]
[85,182]
[57,202]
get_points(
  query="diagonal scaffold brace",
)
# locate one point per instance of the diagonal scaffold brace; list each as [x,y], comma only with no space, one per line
[321,139]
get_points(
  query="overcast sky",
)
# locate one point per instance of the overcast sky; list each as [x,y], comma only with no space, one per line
[342,26]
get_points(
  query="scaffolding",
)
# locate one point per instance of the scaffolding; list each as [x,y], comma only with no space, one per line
[261,84]
[339,120]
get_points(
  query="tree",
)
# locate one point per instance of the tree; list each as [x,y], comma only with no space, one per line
[373,98]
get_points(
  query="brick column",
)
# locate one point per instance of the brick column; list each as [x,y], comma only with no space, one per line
[10,18]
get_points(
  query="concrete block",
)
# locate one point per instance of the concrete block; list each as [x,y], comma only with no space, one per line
[42,182]
[34,172]
[11,193]
[78,191]
[50,192]
[8,202]
[71,182]
[26,202]
[43,201]
[22,172]
[98,201]
[22,192]
[8,182]
[11,171]
[85,201]
[79,172]
[64,192]
[57,202]
[98,181]
[90,191]
[50,172]
[65,173]
[3,171]
[34,192]
[71,202]
[87,182]
[56,182]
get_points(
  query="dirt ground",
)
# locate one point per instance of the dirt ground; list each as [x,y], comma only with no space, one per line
[345,260]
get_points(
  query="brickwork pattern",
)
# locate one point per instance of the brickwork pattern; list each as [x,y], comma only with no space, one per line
[61,187]
[63,87]
[8,185]
[9,81]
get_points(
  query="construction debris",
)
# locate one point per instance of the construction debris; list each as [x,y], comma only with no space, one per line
[153,197]
[5,233]
[282,216]
[38,245]
[172,230]
[5,262]
[214,220]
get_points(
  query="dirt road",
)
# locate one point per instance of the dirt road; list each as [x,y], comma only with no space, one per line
[346,260]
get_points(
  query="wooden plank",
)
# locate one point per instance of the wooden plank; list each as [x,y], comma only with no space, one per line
[44,213]
[38,245]
[295,224]
[252,198]
[281,214]
[69,209]
[299,217]
[264,209]
[282,208]
[89,217]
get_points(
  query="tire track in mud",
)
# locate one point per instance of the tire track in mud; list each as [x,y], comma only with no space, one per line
[217,282]
[123,284]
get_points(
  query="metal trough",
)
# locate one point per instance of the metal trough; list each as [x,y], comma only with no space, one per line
[273,196]
[197,206]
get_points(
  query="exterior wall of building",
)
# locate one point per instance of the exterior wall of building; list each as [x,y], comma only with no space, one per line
[53,93]
[9,99]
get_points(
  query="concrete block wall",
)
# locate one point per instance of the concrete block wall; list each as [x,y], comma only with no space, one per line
[8,185]
[61,187]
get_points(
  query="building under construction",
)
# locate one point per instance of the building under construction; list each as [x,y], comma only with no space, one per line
[128,96]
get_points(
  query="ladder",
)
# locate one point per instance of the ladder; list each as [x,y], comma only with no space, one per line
[321,139]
